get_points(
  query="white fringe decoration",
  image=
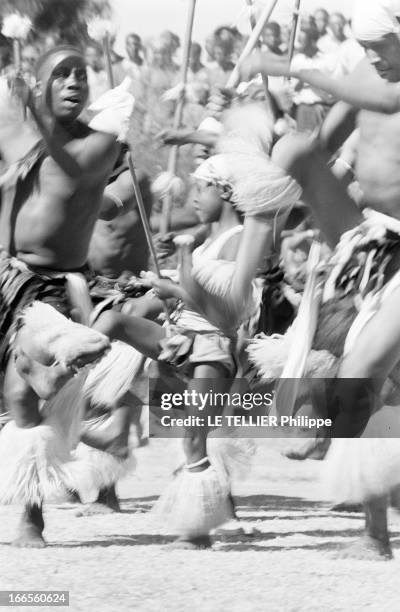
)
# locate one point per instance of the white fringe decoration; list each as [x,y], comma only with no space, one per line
[231,453]
[92,469]
[59,334]
[194,503]
[358,469]
[16,26]
[33,460]
[112,377]
[113,111]
[99,28]
[269,354]
[167,183]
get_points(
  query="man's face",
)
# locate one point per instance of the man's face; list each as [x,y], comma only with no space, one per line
[219,55]
[133,46]
[321,21]
[29,57]
[195,54]
[271,38]
[384,55]
[93,59]
[337,25]
[67,89]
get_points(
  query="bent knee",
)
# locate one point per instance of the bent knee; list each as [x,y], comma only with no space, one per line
[107,323]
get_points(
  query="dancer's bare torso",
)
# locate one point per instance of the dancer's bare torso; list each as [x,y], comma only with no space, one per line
[378,161]
[56,211]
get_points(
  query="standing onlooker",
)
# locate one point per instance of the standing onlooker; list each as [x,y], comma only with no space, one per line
[221,68]
[97,75]
[311,105]
[271,37]
[197,77]
[133,65]
[321,20]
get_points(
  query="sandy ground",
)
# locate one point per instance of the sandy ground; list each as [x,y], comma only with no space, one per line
[119,562]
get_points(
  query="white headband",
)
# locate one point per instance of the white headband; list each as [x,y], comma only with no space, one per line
[374,19]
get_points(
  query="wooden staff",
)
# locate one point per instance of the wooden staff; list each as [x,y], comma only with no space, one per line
[253,23]
[233,80]
[293,32]
[146,226]
[107,55]
[173,155]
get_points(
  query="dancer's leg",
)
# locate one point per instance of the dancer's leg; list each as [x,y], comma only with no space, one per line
[23,404]
[144,335]
[206,377]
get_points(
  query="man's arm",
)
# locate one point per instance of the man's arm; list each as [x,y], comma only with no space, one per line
[339,124]
[363,88]
[119,196]
[98,154]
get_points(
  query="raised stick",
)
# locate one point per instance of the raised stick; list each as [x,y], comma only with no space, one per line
[173,155]
[233,80]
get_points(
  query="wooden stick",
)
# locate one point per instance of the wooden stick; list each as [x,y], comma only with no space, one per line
[146,226]
[253,23]
[173,155]
[233,80]
[293,32]
[107,56]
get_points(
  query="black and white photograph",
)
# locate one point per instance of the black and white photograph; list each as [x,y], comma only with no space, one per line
[200,305]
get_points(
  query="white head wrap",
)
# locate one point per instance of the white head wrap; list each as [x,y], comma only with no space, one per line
[259,187]
[374,19]
[214,170]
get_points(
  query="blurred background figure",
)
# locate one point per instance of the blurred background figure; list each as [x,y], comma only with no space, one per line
[271,38]
[198,80]
[133,66]
[96,72]
[310,105]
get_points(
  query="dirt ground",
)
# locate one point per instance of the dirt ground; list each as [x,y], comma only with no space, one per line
[119,562]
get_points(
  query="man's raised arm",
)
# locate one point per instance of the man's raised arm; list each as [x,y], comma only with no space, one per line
[363,88]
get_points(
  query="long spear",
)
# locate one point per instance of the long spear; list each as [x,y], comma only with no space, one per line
[251,43]
[293,32]
[253,23]
[173,155]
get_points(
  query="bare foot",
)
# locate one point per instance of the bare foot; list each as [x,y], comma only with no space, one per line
[366,548]
[106,503]
[46,381]
[185,543]
[30,529]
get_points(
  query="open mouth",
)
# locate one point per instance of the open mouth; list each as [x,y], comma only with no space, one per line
[72,100]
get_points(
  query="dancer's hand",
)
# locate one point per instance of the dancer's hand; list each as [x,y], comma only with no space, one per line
[165,246]
[220,100]
[171,136]
[266,63]
[164,288]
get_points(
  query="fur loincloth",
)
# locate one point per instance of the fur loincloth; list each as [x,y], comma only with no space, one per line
[20,286]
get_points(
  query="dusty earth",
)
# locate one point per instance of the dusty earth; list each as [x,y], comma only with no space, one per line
[119,562]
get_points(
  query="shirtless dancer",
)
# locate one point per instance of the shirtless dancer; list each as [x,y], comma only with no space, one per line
[47,225]
[373,90]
